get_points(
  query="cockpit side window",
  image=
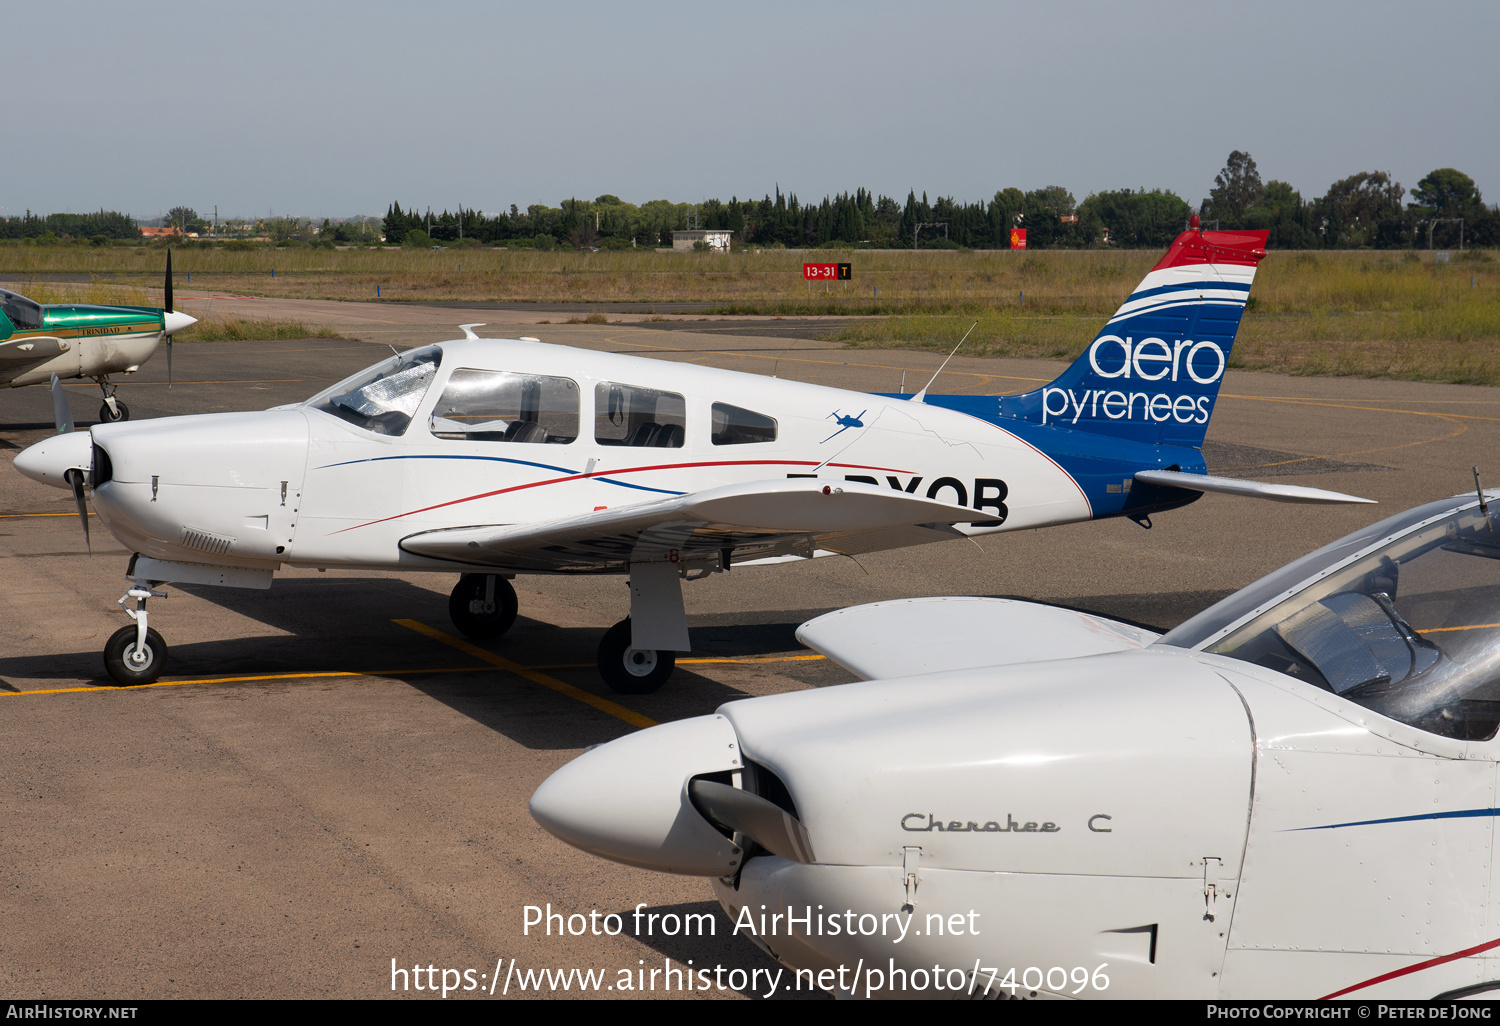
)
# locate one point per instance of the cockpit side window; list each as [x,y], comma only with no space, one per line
[23,313]
[1410,631]
[383,398]
[503,406]
[734,425]
[636,416]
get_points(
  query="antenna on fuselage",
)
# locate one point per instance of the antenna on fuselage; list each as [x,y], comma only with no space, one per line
[922,395]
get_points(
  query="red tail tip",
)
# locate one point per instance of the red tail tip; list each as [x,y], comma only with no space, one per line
[1193,222]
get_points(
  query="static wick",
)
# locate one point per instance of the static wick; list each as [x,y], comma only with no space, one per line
[1484,507]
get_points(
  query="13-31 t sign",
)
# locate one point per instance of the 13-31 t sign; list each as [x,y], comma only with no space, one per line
[828,272]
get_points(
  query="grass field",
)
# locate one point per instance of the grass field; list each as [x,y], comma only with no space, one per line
[1378,314]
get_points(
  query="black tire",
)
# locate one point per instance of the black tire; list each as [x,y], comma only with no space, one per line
[630,671]
[482,623]
[117,657]
[108,416]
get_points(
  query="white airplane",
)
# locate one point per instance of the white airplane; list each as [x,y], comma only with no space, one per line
[1291,795]
[74,340]
[493,458]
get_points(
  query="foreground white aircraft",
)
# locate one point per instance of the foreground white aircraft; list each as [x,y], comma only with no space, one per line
[74,340]
[1291,795]
[494,458]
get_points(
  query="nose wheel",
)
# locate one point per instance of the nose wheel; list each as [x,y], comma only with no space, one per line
[136,654]
[111,411]
[482,605]
[632,671]
[130,662]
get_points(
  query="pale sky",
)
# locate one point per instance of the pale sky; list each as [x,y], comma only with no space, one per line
[336,108]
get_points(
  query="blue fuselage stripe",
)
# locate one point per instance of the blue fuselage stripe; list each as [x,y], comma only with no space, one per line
[1460,814]
[502,459]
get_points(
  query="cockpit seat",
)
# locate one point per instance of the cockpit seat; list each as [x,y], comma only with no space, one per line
[525,431]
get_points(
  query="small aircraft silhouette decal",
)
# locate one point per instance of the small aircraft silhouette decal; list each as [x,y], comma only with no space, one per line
[844,422]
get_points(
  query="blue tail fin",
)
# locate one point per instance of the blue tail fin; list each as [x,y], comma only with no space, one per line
[1153,373]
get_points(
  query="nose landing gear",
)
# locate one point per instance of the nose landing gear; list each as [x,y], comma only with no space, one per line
[112,411]
[136,654]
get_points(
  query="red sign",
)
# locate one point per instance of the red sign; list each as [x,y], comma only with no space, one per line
[1018,238]
[828,272]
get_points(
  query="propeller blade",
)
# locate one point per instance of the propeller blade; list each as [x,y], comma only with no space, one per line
[169,363]
[62,413]
[75,478]
[773,828]
[168,302]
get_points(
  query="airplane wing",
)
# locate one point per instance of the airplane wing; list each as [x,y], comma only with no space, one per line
[31,349]
[739,523]
[929,635]
[1234,486]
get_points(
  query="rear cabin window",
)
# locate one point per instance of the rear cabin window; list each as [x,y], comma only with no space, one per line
[636,416]
[733,425]
[503,406]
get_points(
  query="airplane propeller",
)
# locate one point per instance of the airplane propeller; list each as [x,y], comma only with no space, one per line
[167,306]
[172,321]
[75,477]
[62,413]
[62,416]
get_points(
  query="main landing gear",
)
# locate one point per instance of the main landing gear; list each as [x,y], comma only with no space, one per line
[136,654]
[112,411]
[632,671]
[482,605]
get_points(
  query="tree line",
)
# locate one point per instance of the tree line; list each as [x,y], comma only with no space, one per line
[1365,210]
[103,225]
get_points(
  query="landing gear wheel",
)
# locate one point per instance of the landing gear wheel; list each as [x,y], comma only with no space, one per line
[477,616]
[119,413]
[632,671]
[129,667]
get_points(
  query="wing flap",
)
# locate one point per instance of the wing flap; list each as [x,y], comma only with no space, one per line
[755,520]
[1234,486]
[929,635]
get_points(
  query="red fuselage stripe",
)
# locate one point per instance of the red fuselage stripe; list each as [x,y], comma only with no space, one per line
[617,473]
[1465,953]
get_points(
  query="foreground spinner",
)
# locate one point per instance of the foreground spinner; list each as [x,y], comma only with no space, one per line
[492,458]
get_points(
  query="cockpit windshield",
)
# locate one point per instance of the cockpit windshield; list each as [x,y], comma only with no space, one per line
[383,398]
[1409,629]
[23,313]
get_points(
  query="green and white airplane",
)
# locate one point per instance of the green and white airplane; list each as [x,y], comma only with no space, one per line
[78,341]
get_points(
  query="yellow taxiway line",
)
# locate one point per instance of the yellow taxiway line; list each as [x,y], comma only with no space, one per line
[529,672]
[604,705]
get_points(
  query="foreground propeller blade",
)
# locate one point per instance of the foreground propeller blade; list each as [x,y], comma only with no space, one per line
[62,413]
[169,363]
[167,303]
[770,826]
[75,478]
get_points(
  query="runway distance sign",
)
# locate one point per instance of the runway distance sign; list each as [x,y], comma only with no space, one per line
[828,272]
